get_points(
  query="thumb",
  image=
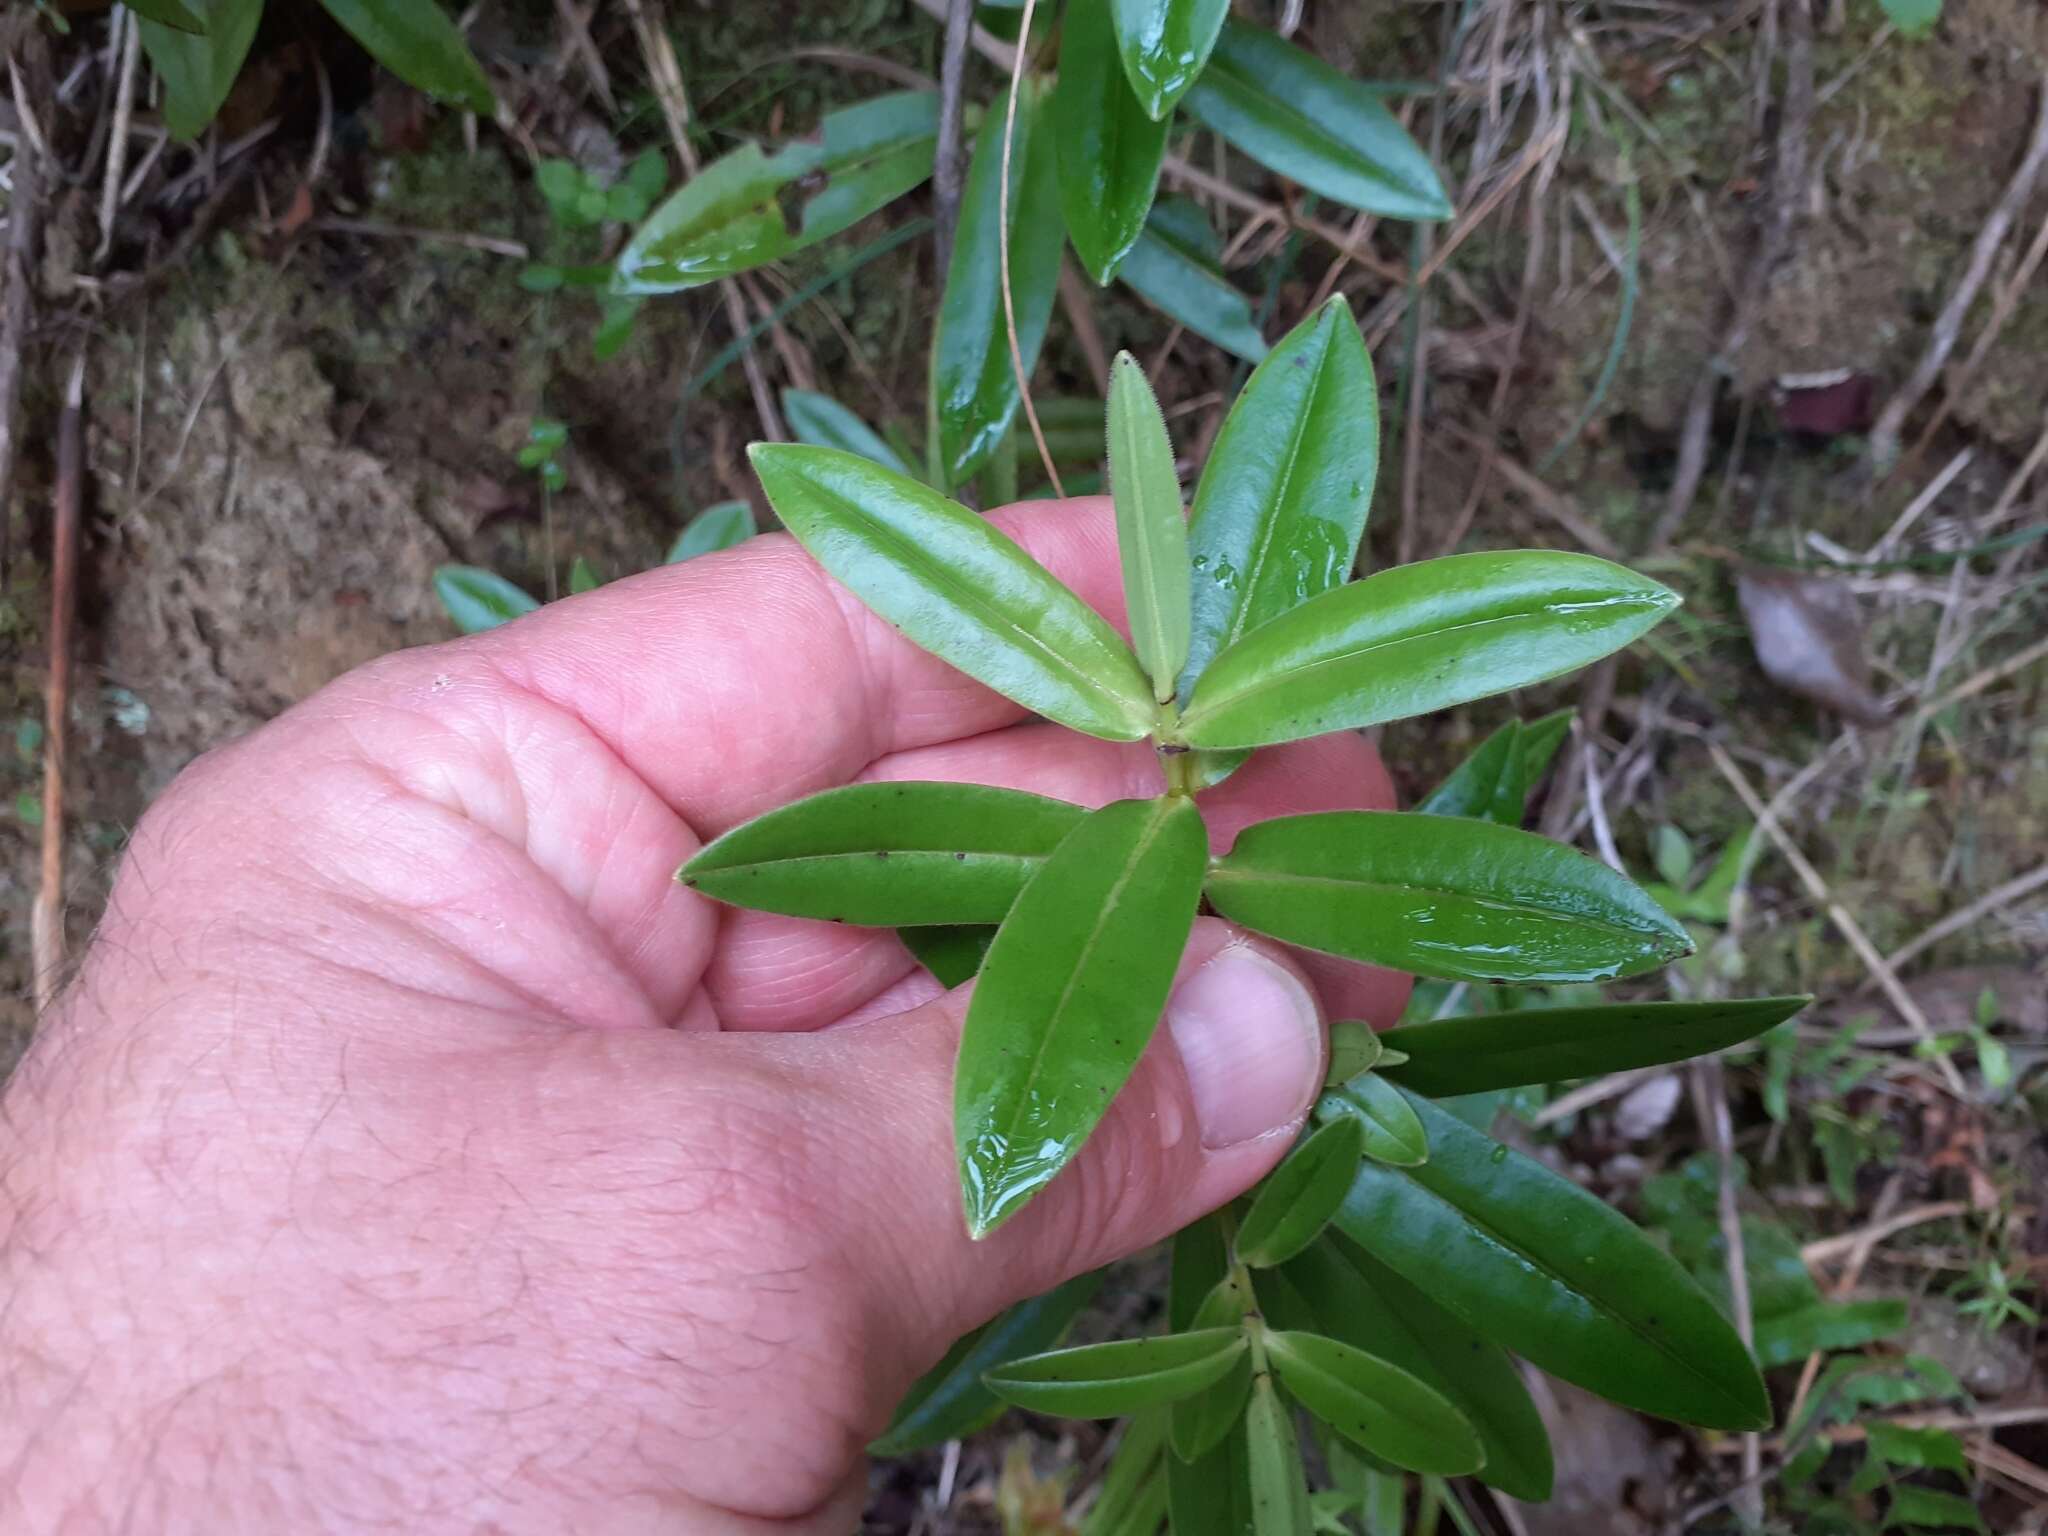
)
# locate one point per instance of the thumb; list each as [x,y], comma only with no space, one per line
[1214,1103]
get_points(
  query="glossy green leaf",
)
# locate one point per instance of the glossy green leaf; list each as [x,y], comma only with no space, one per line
[750,207]
[1279,1482]
[1494,782]
[1293,113]
[1388,1129]
[887,855]
[1441,896]
[1281,506]
[1354,1048]
[1376,1404]
[1355,1298]
[198,70]
[170,13]
[1212,1496]
[825,423]
[951,1401]
[957,586]
[952,953]
[1201,1421]
[1104,1381]
[1297,1199]
[1109,148]
[1537,747]
[973,380]
[719,526]
[1192,293]
[1418,638]
[1542,1267]
[418,42]
[477,599]
[1151,531]
[1485,1051]
[1071,992]
[1164,45]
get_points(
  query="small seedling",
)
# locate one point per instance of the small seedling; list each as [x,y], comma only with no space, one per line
[1378,1276]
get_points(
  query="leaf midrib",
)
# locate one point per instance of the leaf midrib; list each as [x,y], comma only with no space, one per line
[1144,548]
[1335,149]
[1280,877]
[1487,1232]
[869,856]
[1053,1020]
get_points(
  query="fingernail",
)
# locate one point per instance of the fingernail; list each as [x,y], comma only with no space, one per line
[1250,1043]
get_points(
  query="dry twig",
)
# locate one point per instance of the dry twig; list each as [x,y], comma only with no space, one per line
[1997,899]
[948,166]
[47,920]
[1052,473]
[29,169]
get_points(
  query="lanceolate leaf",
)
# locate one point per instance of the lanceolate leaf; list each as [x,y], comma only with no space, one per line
[957,587]
[1388,1129]
[1417,638]
[1109,149]
[1279,1484]
[887,855]
[1355,1298]
[1105,1381]
[1200,1422]
[1494,782]
[1071,991]
[751,207]
[1296,1200]
[199,70]
[1537,1264]
[1212,1496]
[1354,1048]
[477,599]
[951,1400]
[1281,505]
[1151,534]
[171,13]
[1376,1404]
[1441,896]
[952,954]
[1194,294]
[418,42]
[1164,44]
[719,526]
[1295,114]
[974,382]
[1201,1259]
[824,422]
[1547,1045]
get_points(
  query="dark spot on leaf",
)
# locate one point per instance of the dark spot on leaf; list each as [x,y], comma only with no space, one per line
[793,198]
[960,857]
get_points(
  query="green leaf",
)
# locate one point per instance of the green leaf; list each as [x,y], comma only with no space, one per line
[956,586]
[1927,1509]
[824,422]
[953,954]
[477,599]
[751,208]
[1201,1261]
[1417,638]
[1151,533]
[1104,1381]
[1071,992]
[1547,1045]
[719,526]
[1164,45]
[1388,1129]
[1441,896]
[973,380]
[1297,1199]
[951,1401]
[1201,1421]
[168,13]
[1545,1269]
[1281,505]
[1375,1404]
[1827,1325]
[1109,149]
[1493,783]
[887,855]
[199,71]
[1293,113]
[1537,746]
[1193,293]
[418,42]
[583,577]
[1354,1048]
[1934,1450]
[1913,18]
[1133,1497]
[1355,1298]
[1212,1496]
[1279,1484]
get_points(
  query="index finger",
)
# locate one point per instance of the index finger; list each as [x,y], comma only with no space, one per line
[737,682]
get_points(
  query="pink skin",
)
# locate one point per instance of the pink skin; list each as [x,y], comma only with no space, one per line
[413,1153]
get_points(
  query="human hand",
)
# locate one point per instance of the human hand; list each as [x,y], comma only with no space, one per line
[412,1151]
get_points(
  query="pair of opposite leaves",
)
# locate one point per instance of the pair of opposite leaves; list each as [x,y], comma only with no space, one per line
[1246,615]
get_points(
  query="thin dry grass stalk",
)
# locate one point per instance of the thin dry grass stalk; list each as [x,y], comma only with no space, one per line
[47,919]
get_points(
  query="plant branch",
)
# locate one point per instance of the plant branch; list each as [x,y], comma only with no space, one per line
[47,921]
[947,163]
[1052,473]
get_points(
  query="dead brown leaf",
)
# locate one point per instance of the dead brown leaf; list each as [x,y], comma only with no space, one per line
[1808,637]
